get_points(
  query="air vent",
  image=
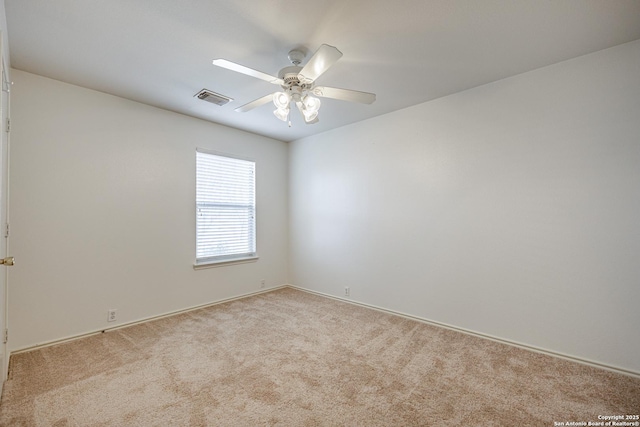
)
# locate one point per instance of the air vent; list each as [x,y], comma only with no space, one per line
[212,97]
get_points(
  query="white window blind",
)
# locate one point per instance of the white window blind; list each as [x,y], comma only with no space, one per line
[225,208]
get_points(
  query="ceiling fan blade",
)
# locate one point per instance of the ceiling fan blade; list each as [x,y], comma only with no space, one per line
[344,94]
[320,62]
[248,71]
[253,104]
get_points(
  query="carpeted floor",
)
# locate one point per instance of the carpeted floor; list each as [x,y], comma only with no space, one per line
[291,358]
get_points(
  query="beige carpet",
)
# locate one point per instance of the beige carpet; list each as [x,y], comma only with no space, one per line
[291,358]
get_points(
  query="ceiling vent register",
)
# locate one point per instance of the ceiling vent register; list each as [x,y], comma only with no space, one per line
[212,97]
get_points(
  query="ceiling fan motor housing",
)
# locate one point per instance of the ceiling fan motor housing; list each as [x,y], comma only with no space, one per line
[290,75]
[292,84]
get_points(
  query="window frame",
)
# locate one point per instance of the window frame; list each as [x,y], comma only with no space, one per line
[208,262]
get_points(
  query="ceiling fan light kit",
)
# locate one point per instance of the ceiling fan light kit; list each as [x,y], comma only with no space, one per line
[298,85]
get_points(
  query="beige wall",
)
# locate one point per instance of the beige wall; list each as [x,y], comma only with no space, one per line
[511,209]
[103,211]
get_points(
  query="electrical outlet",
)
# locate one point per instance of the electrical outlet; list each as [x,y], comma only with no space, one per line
[347,291]
[263,283]
[111,315]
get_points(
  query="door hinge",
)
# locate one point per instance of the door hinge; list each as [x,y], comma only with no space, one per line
[6,230]
[6,336]
[8,125]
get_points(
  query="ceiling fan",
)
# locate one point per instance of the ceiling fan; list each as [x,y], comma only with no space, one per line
[299,84]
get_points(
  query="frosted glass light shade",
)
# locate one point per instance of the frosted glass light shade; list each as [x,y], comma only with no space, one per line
[309,116]
[282,113]
[281,100]
[311,104]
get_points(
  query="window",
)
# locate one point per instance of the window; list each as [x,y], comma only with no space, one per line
[225,208]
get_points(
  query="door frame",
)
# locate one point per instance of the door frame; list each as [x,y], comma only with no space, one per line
[4,209]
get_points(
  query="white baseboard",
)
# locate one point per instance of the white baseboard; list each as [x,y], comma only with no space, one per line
[143,320]
[571,358]
[350,301]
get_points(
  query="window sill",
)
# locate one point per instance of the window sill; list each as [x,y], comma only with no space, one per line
[212,264]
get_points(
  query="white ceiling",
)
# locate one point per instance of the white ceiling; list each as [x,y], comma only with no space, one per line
[159,52]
